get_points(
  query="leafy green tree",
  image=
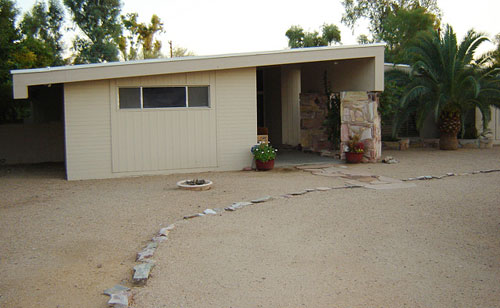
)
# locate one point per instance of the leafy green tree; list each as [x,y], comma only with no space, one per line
[446,82]
[42,36]
[363,39]
[493,57]
[377,10]
[401,27]
[140,42]
[297,38]
[99,21]
[178,52]
[9,47]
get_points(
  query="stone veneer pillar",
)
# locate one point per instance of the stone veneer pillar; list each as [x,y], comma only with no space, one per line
[359,115]
[313,113]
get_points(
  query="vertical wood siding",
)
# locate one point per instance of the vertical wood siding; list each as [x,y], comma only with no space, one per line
[103,141]
[236,97]
[87,130]
[164,138]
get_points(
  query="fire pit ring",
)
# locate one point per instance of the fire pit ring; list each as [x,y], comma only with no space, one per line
[185,184]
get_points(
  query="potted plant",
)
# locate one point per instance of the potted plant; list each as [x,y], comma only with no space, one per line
[355,150]
[264,155]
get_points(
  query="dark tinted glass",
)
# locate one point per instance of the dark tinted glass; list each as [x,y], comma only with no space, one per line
[129,98]
[164,97]
[198,97]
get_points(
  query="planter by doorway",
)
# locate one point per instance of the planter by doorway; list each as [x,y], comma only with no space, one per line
[353,158]
[264,166]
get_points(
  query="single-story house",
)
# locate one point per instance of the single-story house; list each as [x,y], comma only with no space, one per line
[199,114]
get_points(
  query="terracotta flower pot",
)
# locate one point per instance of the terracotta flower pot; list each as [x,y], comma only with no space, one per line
[353,158]
[264,166]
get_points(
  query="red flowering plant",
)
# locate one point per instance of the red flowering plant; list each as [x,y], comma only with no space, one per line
[354,145]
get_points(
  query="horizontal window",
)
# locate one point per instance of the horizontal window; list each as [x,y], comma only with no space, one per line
[163,97]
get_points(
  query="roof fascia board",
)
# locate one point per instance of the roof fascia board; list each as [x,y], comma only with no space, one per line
[24,78]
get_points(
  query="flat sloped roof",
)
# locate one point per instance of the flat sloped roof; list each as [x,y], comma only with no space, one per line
[86,72]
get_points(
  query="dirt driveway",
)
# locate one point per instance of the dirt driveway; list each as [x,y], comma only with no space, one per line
[434,245]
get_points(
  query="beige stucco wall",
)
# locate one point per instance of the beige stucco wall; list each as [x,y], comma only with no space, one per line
[493,125]
[343,75]
[103,141]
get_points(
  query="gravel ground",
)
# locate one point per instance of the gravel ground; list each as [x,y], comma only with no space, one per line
[434,245]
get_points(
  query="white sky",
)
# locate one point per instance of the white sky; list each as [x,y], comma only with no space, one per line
[229,26]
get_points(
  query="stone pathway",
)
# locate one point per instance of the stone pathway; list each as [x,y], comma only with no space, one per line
[362,179]
[122,297]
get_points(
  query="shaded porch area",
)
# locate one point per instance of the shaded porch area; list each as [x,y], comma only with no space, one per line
[292,157]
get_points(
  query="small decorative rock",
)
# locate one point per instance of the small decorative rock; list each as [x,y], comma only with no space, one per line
[422,177]
[159,239]
[390,160]
[115,289]
[119,300]
[412,179]
[428,177]
[323,188]
[298,193]
[238,205]
[310,189]
[230,209]
[145,254]
[194,215]
[263,199]
[152,245]
[450,174]
[142,271]
[209,212]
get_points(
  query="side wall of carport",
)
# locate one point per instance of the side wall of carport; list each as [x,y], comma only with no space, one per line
[91,126]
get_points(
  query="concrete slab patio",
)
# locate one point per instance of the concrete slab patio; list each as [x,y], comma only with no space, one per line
[433,245]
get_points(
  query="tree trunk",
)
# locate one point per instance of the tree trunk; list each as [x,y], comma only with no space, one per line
[448,141]
[449,125]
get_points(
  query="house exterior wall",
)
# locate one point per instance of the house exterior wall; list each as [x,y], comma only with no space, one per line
[236,94]
[87,130]
[493,125]
[164,138]
[103,141]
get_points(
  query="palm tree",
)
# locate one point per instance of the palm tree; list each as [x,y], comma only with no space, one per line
[446,81]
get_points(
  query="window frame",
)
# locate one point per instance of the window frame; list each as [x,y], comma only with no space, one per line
[141,108]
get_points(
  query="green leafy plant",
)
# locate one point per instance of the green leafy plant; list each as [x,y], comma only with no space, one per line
[263,152]
[446,82]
